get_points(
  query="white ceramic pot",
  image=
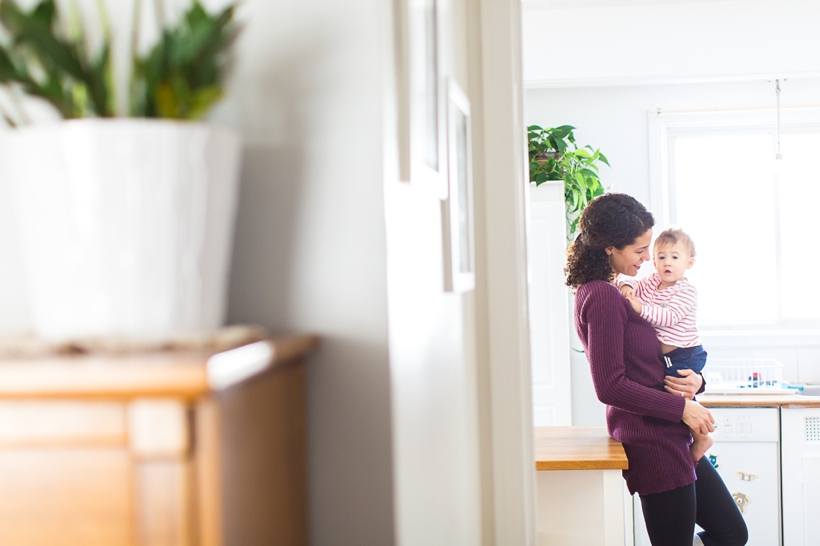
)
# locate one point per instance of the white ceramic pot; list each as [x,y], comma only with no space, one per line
[126,224]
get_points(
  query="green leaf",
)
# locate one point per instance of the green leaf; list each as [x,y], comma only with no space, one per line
[558,144]
[166,101]
[45,13]
[563,131]
[186,68]
[203,100]
[8,72]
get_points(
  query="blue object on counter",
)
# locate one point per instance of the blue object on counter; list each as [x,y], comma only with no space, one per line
[787,385]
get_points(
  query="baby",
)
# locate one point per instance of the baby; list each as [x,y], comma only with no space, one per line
[669,302]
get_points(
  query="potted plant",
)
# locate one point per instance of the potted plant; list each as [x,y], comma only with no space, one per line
[554,155]
[125,208]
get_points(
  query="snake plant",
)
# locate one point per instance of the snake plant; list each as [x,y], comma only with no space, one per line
[45,55]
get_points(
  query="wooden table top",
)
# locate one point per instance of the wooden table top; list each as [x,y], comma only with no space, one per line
[577,448]
[788,400]
[186,375]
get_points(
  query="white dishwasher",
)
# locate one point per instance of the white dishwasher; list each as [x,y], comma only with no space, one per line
[746,455]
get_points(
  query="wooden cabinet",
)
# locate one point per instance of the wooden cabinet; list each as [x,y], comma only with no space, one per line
[161,449]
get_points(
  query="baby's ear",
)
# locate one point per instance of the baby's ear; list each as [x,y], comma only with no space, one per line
[691,262]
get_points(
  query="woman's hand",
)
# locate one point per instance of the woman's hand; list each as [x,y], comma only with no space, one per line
[686,386]
[698,418]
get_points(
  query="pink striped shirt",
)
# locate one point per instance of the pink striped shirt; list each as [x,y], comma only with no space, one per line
[672,311]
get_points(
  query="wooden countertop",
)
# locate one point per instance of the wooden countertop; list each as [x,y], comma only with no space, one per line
[759,400]
[577,448]
[173,373]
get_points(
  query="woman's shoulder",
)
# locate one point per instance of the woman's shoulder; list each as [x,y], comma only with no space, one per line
[597,290]
[600,298]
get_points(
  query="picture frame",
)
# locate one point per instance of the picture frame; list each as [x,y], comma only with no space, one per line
[422,115]
[457,209]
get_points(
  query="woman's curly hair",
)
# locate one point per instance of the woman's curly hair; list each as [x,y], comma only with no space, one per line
[612,219]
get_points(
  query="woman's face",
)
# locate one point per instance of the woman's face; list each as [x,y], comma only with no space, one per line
[629,259]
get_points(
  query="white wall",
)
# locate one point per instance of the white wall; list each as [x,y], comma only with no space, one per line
[432,344]
[310,250]
[625,69]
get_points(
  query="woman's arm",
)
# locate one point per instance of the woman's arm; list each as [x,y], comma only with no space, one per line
[602,314]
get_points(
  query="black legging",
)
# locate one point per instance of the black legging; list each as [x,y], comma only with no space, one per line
[671,516]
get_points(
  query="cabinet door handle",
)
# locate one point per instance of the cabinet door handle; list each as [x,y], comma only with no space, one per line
[746,477]
[742,500]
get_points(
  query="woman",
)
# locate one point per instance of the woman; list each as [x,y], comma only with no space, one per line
[649,415]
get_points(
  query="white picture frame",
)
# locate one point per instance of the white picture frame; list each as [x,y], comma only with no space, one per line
[457,210]
[421,112]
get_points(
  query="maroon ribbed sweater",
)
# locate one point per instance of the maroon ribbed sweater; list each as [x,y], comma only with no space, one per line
[627,371]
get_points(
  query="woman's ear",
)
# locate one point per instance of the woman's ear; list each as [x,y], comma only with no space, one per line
[609,250]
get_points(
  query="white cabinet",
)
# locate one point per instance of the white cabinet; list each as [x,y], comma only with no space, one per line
[549,306]
[745,454]
[800,430]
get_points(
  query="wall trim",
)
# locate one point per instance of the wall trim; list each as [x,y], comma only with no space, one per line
[643,80]
[505,386]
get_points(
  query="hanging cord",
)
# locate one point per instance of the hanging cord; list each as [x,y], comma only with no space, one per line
[777,90]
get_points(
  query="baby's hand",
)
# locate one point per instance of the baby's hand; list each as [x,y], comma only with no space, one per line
[636,303]
[627,292]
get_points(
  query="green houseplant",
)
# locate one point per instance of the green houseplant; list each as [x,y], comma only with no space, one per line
[125,207]
[554,155]
[46,55]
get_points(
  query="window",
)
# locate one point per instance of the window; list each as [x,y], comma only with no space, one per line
[752,218]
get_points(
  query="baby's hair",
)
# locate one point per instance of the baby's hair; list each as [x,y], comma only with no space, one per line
[674,235]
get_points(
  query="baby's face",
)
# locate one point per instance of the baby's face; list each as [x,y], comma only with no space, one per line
[672,261]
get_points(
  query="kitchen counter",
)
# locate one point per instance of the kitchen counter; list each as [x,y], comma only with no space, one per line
[581,494]
[786,400]
[577,448]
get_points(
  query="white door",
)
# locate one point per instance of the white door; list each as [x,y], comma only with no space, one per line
[549,306]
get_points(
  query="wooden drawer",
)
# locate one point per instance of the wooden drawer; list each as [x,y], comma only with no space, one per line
[67,496]
[55,423]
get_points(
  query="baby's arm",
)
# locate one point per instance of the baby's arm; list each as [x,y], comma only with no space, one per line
[624,284]
[680,305]
[628,292]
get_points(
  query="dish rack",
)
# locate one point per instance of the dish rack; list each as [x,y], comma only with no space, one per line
[735,375]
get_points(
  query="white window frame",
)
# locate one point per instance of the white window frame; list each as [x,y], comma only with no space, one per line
[663,128]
